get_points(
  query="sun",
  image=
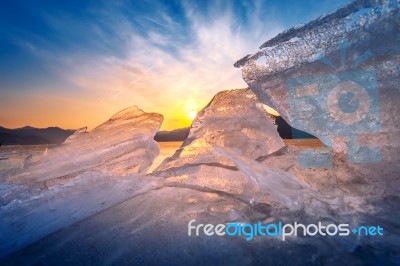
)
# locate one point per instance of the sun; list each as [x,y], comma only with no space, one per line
[192,115]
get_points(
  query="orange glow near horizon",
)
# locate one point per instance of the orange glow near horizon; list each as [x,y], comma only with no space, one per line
[52,110]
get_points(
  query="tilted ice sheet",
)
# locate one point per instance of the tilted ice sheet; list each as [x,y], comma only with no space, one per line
[338,78]
[122,145]
[361,36]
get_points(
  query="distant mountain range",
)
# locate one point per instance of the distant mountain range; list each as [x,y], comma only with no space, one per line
[33,136]
[55,135]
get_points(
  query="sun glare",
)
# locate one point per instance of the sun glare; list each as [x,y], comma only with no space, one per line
[192,115]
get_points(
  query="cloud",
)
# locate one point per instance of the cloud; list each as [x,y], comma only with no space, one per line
[164,70]
[171,59]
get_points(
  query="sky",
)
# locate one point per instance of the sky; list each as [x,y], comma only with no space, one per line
[75,63]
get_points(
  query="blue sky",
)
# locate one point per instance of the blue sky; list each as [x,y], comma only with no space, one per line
[75,63]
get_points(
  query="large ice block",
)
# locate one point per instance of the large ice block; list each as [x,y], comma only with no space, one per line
[338,78]
[122,145]
[237,122]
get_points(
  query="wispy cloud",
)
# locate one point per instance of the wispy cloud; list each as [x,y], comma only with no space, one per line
[164,72]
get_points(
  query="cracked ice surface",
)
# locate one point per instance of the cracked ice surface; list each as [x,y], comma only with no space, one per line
[122,145]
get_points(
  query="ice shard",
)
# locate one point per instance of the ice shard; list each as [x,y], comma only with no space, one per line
[122,145]
[233,119]
[338,78]
[236,121]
